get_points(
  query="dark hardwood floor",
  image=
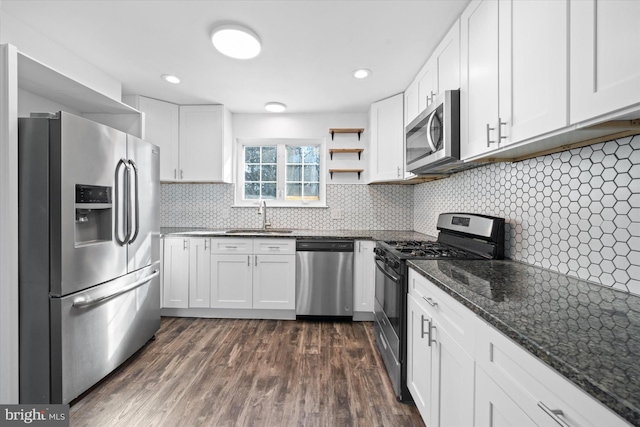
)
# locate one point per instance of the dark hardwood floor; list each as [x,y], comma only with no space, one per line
[222,372]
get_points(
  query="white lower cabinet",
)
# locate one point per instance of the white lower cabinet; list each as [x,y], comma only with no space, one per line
[543,395]
[228,273]
[253,273]
[495,408]
[175,272]
[440,373]
[364,277]
[274,284]
[461,371]
[231,281]
[199,272]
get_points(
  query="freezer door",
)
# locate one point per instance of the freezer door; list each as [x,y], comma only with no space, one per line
[85,247]
[144,183]
[94,331]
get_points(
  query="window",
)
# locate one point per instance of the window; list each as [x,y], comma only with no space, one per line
[289,172]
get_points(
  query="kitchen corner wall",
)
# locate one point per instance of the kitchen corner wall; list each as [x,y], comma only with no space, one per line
[363,207]
[576,212]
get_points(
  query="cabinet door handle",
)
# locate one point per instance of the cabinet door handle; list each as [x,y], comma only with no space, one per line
[500,124]
[205,244]
[489,141]
[422,319]
[181,174]
[430,336]
[256,260]
[248,260]
[277,248]
[398,171]
[431,302]
[231,247]
[555,414]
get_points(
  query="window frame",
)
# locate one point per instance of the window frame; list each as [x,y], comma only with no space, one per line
[281,144]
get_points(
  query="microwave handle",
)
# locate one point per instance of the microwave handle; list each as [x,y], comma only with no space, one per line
[429,139]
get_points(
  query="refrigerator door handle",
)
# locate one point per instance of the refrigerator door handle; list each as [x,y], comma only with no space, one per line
[136,202]
[80,302]
[117,225]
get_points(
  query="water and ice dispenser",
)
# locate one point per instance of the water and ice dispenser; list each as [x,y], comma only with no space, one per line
[94,213]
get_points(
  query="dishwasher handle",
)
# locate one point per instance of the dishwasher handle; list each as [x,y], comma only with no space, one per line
[322,245]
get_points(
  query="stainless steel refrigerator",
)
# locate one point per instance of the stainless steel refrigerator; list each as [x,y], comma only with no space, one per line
[89,286]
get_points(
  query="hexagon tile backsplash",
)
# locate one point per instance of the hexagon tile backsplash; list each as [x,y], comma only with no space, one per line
[576,212]
[364,207]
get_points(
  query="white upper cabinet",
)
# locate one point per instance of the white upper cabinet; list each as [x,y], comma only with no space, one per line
[605,58]
[513,72]
[195,140]
[205,144]
[479,76]
[411,102]
[386,120]
[161,129]
[440,73]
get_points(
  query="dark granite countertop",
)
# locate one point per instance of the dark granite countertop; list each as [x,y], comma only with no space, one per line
[299,233]
[587,332]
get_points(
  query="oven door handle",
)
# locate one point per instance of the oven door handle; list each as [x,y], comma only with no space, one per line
[390,276]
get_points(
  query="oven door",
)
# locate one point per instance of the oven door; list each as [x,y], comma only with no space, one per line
[389,296]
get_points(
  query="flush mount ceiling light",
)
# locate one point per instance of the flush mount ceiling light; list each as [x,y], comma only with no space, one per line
[275,107]
[171,79]
[361,73]
[236,41]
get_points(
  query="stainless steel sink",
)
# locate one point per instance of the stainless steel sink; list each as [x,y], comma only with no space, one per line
[258,231]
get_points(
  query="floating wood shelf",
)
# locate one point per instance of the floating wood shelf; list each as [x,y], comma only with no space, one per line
[346,150]
[333,131]
[358,171]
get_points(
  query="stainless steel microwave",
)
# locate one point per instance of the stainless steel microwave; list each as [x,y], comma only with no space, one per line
[433,138]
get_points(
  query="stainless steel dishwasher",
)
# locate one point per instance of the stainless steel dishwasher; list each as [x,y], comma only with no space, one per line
[324,278]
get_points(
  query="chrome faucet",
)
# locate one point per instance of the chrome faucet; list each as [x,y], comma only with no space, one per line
[262,210]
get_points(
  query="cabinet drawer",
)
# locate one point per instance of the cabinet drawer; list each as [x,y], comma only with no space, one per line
[458,320]
[534,386]
[224,245]
[274,246]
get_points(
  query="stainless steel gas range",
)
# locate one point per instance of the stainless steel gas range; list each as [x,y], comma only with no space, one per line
[461,236]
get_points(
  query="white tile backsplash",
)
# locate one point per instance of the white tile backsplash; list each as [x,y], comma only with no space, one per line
[576,212]
[363,207]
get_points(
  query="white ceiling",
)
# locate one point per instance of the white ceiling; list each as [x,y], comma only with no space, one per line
[310,48]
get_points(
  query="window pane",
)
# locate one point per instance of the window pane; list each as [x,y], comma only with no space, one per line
[294,191]
[311,191]
[294,154]
[311,173]
[311,154]
[252,172]
[251,190]
[269,190]
[294,173]
[252,154]
[269,154]
[269,172]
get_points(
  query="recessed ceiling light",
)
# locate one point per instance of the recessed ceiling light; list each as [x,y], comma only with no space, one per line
[171,79]
[361,73]
[236,41]
[275,107]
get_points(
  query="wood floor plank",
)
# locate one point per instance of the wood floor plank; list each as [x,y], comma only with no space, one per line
[259,373]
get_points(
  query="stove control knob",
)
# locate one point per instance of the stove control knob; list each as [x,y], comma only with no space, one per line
[393,263]
[377,251]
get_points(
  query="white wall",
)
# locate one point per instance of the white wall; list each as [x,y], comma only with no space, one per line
[8,225]
[32,43]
